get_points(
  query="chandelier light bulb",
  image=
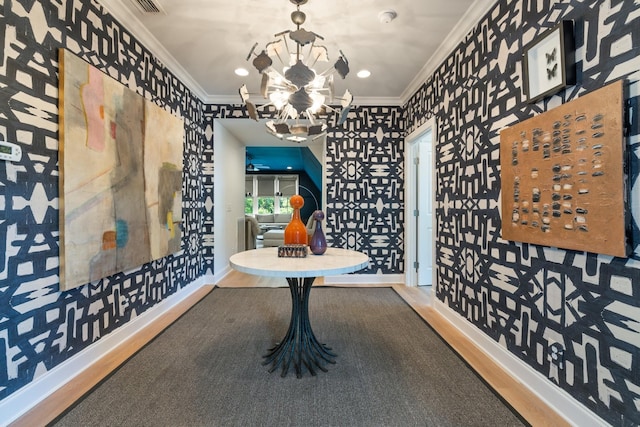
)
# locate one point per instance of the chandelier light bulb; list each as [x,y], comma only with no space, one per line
[291,112]
[278,80]
[279,99]
[318,101]
[294,58]
[318,82]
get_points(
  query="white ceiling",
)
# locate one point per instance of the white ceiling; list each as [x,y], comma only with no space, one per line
[204,41]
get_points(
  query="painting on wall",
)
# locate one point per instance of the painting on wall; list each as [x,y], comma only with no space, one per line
[563,179]
[120,176]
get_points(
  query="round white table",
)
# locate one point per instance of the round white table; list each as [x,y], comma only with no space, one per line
[299,346]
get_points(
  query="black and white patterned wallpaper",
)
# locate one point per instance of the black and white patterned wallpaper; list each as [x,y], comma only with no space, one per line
[365,187]
[40,327]
[211,112]
[545,305]
[365,184]
[572,316]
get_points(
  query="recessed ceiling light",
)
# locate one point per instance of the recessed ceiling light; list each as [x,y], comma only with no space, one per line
[289,167]
[363,74]
[242,72]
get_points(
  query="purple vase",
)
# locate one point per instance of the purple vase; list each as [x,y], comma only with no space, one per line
[318,243]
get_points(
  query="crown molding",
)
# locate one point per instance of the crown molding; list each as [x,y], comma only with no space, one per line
[389,101]
[222,99]
[132,24]
[364,100]
[468,21]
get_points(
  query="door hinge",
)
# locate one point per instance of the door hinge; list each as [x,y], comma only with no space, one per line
[416,212]
[416,265]
[416,160]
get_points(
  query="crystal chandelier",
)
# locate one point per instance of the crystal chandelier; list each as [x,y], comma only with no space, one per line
[297,91]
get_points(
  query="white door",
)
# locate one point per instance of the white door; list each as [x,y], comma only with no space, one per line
[423,214]
[419,237]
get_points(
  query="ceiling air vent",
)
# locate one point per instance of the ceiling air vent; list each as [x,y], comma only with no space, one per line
[148,6]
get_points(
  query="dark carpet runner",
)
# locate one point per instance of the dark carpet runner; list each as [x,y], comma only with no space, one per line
[206,369]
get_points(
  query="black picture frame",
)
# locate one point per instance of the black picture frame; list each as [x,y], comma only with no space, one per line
[549,62]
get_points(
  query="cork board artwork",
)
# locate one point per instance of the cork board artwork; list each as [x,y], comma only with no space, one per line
[563,181]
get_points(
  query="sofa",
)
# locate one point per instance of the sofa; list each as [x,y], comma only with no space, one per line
[268,222]
[251,232]
[275,237]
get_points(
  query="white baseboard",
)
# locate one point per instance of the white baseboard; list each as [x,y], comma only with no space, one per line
[25,399]
[559,400]
[374,279]
[220,274]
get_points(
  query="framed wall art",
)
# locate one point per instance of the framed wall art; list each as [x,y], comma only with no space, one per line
[549,62]
[120,176]
[563,178]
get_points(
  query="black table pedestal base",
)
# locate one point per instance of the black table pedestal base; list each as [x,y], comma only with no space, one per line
[300,346]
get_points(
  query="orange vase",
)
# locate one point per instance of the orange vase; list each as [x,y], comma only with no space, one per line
[295,233]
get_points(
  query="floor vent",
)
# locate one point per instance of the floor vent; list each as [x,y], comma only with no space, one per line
[148,6]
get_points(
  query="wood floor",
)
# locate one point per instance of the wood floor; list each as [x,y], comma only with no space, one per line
[236,279]
[529,406]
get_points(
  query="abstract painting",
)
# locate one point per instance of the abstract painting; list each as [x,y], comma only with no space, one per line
[563,179]
[120,176]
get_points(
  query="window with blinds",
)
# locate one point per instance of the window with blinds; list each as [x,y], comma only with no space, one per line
[288,185]
[269,193]
[266,186]
[248,186]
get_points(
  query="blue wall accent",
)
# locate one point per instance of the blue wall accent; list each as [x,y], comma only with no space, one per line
[299,159]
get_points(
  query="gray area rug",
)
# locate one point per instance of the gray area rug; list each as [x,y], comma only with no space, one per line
[206,369]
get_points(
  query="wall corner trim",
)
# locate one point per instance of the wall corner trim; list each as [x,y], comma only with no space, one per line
[217,277]
[559,400]
[27,398]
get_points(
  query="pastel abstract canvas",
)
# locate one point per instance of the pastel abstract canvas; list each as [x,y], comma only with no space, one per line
[120,176]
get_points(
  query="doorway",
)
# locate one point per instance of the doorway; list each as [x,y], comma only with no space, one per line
[232,136]
[419,194]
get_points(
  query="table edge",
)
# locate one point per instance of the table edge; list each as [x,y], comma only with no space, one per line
[310,273]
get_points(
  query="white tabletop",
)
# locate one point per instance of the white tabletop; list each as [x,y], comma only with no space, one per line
[265,262]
